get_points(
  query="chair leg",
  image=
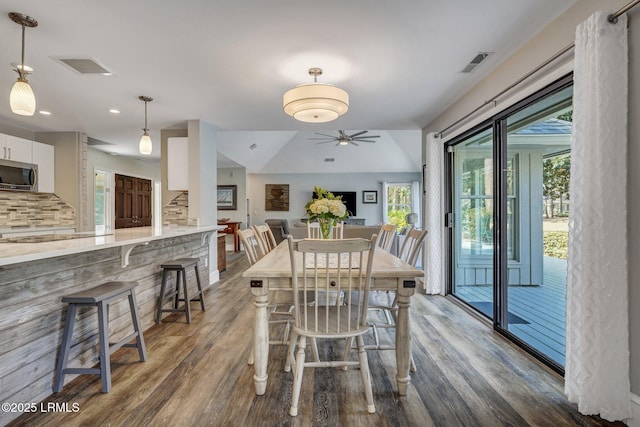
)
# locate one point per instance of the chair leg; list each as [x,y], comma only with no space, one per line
[187,304]
[251,355]
[314,347]
[105,359]
[142,350]
[65,348]
[290,353]
[347,350]
[200,288]
[163,289]
[297,376]
[366,375]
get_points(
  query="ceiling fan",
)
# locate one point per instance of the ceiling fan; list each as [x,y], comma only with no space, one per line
[343,139]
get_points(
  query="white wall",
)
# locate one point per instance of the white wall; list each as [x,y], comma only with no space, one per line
[237,177]
[557,35]
[301,191]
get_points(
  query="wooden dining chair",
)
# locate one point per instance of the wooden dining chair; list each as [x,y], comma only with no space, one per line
[281,308]
[332,265]
[265,237]
[251,244]
[385,236]
[387,302]
[313,230]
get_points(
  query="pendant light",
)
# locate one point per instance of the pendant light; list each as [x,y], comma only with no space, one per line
[145,145]
[22,99]
[315,102]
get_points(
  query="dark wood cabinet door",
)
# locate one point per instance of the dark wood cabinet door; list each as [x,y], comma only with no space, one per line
[132,202]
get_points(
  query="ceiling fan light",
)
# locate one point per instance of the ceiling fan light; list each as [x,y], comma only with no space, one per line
[315,102]
[145,146]
[22,99]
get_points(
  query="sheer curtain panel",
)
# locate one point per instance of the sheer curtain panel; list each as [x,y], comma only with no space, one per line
[434,214]
[597,357]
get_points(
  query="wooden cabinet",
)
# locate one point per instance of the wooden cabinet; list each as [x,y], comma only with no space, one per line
[132,202]
[16,149]
[44,157]
[222,253]
[178,164]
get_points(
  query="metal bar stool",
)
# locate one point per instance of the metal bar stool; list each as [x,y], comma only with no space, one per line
[100,296]
[179,266]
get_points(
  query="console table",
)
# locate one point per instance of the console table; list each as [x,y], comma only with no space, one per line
[232,229]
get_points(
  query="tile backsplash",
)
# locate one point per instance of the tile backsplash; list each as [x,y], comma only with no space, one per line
[177,211]
[22,209]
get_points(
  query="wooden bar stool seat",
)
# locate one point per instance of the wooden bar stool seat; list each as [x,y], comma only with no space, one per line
[179,266]
[100,297]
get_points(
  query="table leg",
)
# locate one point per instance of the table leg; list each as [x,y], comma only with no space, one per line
[261,340]
[403,340]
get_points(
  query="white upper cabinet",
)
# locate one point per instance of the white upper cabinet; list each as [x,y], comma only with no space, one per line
[44,157]
[16,149]
[178,164]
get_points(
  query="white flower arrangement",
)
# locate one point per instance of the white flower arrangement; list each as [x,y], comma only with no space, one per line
[326,206]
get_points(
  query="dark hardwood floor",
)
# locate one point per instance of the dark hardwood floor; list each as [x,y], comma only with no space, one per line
[197,374]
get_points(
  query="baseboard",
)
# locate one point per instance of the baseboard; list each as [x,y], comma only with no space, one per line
[634,421]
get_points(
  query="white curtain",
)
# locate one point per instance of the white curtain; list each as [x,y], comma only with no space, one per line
[385,202]
[434,215]
[597,355]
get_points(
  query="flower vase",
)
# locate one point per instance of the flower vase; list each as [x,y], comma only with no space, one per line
[326,227]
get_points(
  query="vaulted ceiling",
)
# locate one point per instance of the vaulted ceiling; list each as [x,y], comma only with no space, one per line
[228,64]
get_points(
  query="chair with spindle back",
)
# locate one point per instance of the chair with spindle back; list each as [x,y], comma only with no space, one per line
[313,230]
[265,237]
[338,266]
[385,236]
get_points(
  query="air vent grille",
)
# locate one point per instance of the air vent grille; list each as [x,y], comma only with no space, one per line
[477,60]
[93,141]
[85,65]
[329,159]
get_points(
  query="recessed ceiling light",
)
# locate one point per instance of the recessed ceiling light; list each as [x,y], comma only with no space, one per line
[114,111]
[107,74]
[45,113]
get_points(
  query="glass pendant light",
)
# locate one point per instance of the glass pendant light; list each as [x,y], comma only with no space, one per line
[22,100]
[145,146]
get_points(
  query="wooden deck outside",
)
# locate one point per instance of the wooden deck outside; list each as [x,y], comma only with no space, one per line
[543,307]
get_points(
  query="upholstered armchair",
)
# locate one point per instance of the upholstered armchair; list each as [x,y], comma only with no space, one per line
[279,228]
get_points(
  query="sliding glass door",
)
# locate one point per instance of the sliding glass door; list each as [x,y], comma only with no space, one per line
[509,198]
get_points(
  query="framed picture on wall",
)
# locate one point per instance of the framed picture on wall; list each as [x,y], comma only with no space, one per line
[276,197]
[370,196]
[227,197]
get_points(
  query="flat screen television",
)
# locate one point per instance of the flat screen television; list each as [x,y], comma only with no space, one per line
[348,198]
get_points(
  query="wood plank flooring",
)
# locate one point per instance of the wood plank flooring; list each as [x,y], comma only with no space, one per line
[197,374]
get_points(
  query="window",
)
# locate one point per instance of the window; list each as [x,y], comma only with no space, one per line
[399,200]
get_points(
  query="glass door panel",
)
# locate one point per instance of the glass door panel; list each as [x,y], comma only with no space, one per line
[537,181]
[472,207]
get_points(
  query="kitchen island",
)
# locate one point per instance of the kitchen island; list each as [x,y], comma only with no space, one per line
[35,276]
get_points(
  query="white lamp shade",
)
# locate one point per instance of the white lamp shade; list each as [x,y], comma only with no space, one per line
[22,99]
[145,146]
[315,102]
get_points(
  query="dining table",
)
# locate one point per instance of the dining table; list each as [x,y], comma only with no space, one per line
[273,273]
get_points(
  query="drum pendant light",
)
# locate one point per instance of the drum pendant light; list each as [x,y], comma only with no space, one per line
[315,102]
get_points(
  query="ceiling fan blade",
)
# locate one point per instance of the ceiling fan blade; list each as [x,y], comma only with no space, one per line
[364,140]
[324,134]
[321,139]
[342,134]
[351,142]
[358,133]
[366,137]
[323,142]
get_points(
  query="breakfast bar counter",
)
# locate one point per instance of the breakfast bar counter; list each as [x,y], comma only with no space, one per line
[35,276]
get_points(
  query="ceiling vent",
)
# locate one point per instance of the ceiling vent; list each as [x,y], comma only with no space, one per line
[477,60]
[329,159]
[85,66]
[93,141]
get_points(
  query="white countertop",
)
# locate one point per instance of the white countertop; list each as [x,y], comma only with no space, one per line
[13,253]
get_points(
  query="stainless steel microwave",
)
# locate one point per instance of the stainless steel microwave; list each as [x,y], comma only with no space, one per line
[18,176]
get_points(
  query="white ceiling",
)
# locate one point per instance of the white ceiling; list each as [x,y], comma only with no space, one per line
[228,64]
